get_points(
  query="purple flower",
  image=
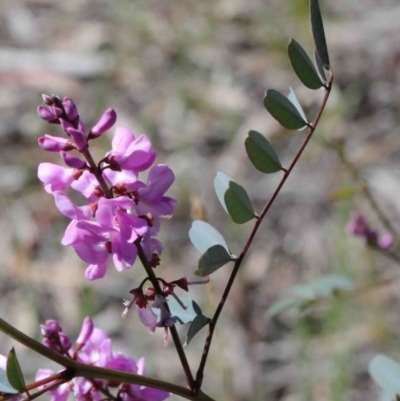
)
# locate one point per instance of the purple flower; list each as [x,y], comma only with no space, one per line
[94,348]
[55,178]
[130,153]
[121,211]
[359,226]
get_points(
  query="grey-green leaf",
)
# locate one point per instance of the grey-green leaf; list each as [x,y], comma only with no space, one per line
[204,236]
[221,185]
[5,386]
[238,204]
[198,323]
[14,372]
[323,287]
[318,32]
[182,315]
[386,372]
[261,153]
[283,110]
[319,65]
[284,304]
[211,260]
[303,66]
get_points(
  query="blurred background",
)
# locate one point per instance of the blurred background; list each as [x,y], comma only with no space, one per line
[192,76]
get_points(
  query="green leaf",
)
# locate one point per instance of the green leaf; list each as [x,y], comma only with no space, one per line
[319,65]
[283,110]
[204,236]
[323,287]
[198,323]
[284,304]
[386,372]
[238,204]
[5,386]
[182,316]
[233,198]
[14,373]
[261,153]
[303,66]
[211,260]
[318,32]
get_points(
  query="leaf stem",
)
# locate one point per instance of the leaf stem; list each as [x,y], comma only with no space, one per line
[238,262]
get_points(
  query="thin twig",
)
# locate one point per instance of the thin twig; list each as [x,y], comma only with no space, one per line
[238,262]
[76,369]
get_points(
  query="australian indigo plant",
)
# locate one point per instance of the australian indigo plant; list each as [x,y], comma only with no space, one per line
[119,223]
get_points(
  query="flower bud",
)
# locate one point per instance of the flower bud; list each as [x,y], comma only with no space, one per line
[55,144]
[72,161]
[86,332]
[79,138]
[107,120]
[70,109]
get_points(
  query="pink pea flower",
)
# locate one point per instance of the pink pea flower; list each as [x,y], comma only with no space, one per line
[130,153]
[55,178]
[150,197]
[60,393]
[94,348]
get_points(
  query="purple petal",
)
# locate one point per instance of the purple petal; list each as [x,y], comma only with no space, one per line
[121,141]
[72,161]
[67,208]
[86,331]
[152,394]
[116,177]
[55,144]
[124,253]
[138,155]
[107,120]
[45,114]
[131,227]
[54,178]
[86,184]
[147,317]
[70,108]
[106,209]
[385,241]
[95,272]
[79,138]
[160,179]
